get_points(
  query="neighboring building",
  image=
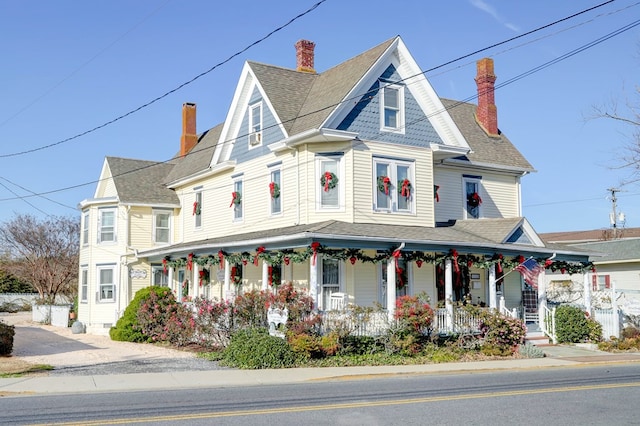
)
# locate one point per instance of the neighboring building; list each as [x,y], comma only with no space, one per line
[617,265]
[356,180]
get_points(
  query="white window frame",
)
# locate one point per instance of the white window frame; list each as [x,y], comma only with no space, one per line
[197,223]
[156,214]
[255,127]
[338,158]
[84,284]
[101,214]
[85,228]
[394,196]
[275,205]
[398,109]
[158,271]
[324,299]
[477,181]
[238,209]
[99,291]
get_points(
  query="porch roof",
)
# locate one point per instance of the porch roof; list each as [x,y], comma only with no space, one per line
[467,237]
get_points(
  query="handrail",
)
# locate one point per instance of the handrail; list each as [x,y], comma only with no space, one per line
[548,324]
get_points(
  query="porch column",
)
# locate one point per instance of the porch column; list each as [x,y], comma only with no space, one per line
[586,279]
[195,281]
[172,285]
[616,311]
[265,276]
[493,297]
[313,284]
[391,287]
[227,280]
[542,297]
[448,292]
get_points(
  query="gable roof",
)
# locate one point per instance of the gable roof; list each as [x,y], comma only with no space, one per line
[493,150]
[626,249]
[590,235]
[140,181]
[198,159]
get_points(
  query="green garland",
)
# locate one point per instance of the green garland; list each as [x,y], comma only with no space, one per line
[381,180]
[332,182]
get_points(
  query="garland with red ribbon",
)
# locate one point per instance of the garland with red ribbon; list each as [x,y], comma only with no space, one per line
[328,181]
[221,257]
[164,265]
[259,251]
[196,208]
[203,275]
[274,190]
[454,254]
[474,199]
[190,261]
[314,246]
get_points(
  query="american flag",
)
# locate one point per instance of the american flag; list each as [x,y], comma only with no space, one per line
[530,269]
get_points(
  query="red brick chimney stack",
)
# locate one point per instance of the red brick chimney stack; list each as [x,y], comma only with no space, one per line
[305,56]
[487,112]
[189,138]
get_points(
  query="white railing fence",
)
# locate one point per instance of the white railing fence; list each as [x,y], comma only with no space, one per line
[548,324]
[610,321]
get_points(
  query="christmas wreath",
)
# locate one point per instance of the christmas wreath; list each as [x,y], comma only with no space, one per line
[196,208]
[274,190]
[384,183]
[404,188]
[236,199]
[474,199]
[329,180]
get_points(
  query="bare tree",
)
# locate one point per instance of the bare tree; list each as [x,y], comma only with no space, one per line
[43,253]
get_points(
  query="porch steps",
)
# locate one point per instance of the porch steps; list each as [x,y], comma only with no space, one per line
[537,338]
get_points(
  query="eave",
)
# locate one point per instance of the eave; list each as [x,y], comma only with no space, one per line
[312,136]
[218,168]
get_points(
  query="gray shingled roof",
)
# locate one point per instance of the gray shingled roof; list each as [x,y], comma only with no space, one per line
[140,181]
[463,236]
[198,159]
[486,149]
[614,250]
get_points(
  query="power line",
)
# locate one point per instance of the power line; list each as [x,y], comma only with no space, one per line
[164,95]
[512,80]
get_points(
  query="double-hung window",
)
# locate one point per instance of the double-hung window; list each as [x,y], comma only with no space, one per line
[158,276]
[275,191]
[162,226]
[472,196]
[106,283]
[197,209]
[255,124]
[85,228]
[600,282]
[237,200]
[392,107]
[84,284]
[107,225]
[393,185]
[329,183]
[330,273]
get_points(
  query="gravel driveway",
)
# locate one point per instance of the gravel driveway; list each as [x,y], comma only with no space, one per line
[86,354]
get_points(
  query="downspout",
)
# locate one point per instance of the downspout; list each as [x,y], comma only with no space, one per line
[297,154]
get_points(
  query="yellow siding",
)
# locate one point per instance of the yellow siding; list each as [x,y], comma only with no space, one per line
[424,281]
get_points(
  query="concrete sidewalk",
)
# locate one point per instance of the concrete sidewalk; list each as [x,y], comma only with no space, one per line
[562,357]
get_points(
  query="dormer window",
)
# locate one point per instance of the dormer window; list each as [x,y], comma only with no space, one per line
[472,196]
[392,107]
[255,124]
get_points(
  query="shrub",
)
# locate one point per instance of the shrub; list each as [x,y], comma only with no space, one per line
[6,338]
[251,309]
[413,314]
[162,319]
[359,345]
[630,332]
[214,322]
[254,348]
[126,329]
[573,326]
[501,334]
[530,351]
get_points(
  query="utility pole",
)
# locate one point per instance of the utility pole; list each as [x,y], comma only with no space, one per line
[614,215]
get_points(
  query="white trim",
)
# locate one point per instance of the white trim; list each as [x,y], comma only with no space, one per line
[394,197]
[234,208]
[312,136]
[254,138]
[114,269]
[339,159]
[478,183]
[154,214]
[270,201]
[207,173]
[102,210]
[399,109]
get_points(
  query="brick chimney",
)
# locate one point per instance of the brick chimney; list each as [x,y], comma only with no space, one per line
[305,56]
[487,113]
[189,138]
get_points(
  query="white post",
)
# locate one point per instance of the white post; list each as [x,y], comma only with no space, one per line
[391,288]
[172,285]
[493,297]
[227,281]
[313,283]
[586,282]
[448,293]
[616,315]
[195,279]
[542,296]
[265,276]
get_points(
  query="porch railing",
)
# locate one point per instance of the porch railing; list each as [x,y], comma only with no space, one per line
[548,324]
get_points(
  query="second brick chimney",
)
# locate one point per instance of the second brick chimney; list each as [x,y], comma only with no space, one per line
[487,112]
[189,138]
[305,55]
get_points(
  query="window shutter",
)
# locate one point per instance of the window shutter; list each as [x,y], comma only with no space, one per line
[607,281]
[594,282]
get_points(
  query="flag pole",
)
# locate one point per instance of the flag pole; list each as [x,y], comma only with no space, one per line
[514,269]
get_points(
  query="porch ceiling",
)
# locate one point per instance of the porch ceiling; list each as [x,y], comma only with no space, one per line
[336,234]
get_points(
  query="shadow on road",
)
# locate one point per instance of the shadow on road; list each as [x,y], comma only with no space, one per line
[34,341]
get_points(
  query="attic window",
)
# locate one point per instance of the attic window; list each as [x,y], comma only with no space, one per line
[255,125]
[391,107]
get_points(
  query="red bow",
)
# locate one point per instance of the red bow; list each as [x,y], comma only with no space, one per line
[258,251]
[272,188]
[327,179]
[419,263]
[314,246]
[406,188]
[234,196]
[190,261]
[397,254]
[164,265]
[454,253]
[435,193]
[195,208]
[270,271]
[385,183]
[221,257]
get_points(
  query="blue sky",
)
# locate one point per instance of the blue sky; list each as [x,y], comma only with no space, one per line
[71,66]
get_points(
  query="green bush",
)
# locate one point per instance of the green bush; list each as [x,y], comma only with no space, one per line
[573,326]
[126,329]
[502,335]
[254,348]
[162,319]
[359,345]
[6,338]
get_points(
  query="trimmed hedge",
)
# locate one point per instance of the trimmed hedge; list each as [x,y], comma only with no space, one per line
[254,348]
[127,329]
[6,338]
